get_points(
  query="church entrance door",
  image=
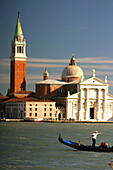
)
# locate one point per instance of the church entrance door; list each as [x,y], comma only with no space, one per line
[59,116]
[91,113]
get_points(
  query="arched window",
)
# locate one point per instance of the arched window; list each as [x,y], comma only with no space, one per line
[20,49]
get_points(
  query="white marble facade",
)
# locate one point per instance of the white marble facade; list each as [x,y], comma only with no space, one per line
[92,102]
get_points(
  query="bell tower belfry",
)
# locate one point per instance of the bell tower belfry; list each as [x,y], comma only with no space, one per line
[18,60]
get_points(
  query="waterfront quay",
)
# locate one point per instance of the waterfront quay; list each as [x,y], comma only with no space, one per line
[54,121]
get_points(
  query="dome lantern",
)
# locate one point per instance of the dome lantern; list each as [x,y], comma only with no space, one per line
[72,60]
[72,72]
[45,74]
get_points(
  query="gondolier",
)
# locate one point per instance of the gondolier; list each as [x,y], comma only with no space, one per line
[94,136]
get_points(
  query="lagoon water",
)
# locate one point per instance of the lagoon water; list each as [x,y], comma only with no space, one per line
[29,145]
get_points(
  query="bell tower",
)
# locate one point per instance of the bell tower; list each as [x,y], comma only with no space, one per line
[18,60]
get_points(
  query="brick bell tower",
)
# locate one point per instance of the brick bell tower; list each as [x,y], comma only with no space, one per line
[18,60]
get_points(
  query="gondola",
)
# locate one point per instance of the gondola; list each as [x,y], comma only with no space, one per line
[82,147]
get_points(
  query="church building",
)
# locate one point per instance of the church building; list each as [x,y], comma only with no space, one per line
[83,99]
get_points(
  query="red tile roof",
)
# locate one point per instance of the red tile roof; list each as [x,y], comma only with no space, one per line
[3,98]
[27,99]
[23,92]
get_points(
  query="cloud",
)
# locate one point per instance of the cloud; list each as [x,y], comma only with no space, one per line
[104,73]
[87,64]
[96,60]
[98,73]
[34,77]
[4,63]
[34,65]
[4,78]
[86,60]
[37,65]
[45,60]
[100,67]
[60,63]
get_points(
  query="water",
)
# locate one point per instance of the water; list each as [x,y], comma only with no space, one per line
[31,145]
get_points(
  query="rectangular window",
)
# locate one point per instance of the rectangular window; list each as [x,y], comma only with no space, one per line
[35,104]
[45,105]
[44,114]
[30,109]
[50,109]
[50,114]
[35,114]
[35,109]
[44,109]
[30,114]
[50,105]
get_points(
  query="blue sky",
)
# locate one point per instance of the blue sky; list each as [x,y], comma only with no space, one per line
[54,29]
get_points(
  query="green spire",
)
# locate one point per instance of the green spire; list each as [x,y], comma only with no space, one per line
[18,30]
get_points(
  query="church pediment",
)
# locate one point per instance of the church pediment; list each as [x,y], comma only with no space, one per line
[93,81]
[109,96]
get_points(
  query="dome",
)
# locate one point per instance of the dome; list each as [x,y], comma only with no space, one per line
[72,71]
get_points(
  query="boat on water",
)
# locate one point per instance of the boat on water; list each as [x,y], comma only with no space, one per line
[111,163]
[32,120]
[82,147]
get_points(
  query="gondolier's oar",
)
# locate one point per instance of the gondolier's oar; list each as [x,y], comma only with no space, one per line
[80,142]
[85,139]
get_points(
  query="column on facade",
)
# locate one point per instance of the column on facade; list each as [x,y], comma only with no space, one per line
[98,106]
[105,106]
[87,104]
[80,107]
[57,113]
[67,108]
[72,110]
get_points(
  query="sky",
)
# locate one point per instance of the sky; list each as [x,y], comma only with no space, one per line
[54,30]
